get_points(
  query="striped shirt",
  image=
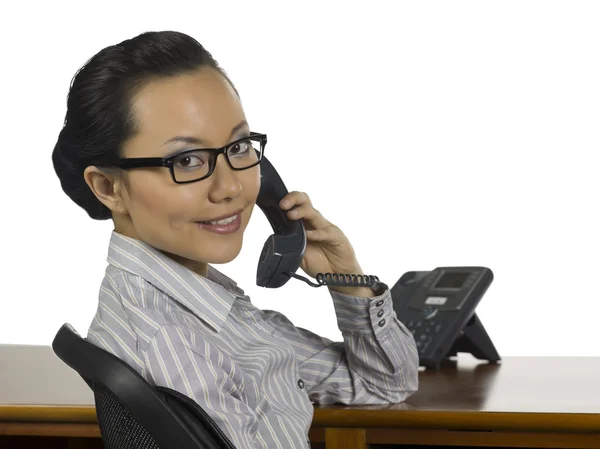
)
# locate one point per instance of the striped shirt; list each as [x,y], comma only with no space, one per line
[251,370]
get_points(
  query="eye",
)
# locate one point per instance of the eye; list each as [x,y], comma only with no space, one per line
[190,161]
[240,148]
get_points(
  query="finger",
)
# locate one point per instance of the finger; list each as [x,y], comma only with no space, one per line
[309,214]
[324,234]
[294,199]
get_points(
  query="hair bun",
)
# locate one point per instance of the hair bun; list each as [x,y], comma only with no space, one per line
[69,169]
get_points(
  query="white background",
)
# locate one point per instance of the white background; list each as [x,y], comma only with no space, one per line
[432,133]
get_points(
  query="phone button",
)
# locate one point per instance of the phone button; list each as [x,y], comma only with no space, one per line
[429,312]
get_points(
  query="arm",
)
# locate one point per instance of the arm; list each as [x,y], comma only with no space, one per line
[373,365]
[377,362]
[172,363]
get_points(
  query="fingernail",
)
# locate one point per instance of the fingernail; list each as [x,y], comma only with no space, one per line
[285,203]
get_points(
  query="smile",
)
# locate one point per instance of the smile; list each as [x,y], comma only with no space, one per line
[223,221]
[226,225]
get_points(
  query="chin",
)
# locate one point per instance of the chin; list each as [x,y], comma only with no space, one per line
[222,255]
[222,259]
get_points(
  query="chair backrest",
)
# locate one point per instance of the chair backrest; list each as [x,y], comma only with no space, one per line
[132,413]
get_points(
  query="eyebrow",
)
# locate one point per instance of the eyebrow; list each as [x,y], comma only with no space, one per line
[198,141]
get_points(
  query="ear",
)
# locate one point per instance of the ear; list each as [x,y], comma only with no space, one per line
[107,186]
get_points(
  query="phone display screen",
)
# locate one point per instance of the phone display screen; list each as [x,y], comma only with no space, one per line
[452,280]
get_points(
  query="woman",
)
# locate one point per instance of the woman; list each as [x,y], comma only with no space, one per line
[162,308]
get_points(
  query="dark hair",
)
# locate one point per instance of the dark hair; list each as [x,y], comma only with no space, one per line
[99,115]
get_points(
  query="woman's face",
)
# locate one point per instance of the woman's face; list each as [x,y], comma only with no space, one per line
[201,107]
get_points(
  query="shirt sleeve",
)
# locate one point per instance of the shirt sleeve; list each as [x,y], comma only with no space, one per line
[377,363]
[172,363]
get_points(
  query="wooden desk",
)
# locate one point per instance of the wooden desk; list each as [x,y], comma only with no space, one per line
[548,402]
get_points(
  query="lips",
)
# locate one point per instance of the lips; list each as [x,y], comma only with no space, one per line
[222,217]
[226,225]
[222,221]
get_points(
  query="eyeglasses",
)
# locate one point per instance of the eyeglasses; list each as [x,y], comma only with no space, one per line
[195,165]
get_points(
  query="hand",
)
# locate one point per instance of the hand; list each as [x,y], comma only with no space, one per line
[328,250]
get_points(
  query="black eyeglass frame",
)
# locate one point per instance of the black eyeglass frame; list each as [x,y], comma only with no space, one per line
[144,162]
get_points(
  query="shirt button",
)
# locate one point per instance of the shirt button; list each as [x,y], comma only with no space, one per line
[380,313]
[382,323]
[379,303]
[301,383]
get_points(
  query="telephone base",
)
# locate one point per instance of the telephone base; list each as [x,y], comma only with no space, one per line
[474,340]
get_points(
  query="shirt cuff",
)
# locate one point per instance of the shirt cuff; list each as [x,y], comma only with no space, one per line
[364,315]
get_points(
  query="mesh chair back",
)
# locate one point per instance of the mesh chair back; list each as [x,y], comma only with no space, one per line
[131,413]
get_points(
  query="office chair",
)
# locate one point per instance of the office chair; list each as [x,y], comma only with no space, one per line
[132,413]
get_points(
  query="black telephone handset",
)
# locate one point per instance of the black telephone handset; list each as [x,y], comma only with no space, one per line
[283,251]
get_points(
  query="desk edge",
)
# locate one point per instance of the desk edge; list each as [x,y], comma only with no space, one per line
[457,420]
[48,413]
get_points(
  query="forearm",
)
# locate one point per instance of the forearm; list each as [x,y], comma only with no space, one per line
[379,348]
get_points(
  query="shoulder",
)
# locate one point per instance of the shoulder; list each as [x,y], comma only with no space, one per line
[128,287]
[130,312]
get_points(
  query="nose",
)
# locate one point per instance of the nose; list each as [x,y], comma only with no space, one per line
[225,183]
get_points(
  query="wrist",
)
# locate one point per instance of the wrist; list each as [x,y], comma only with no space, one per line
[362,292]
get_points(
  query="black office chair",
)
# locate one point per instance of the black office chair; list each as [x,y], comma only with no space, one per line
[131,413]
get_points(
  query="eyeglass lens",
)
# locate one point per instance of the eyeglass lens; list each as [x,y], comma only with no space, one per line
[194,165]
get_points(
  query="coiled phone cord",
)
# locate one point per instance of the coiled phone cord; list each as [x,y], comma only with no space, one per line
[339,280]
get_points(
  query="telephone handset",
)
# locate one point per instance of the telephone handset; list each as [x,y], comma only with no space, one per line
[283,251]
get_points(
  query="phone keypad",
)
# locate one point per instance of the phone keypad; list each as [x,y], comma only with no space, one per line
[424,331]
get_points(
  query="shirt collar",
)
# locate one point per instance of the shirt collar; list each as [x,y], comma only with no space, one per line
[210,298]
